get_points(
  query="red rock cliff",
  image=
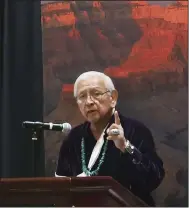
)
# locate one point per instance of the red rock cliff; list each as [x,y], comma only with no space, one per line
[81,36]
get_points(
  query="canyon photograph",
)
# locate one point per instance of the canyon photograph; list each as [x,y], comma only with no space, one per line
[143,47]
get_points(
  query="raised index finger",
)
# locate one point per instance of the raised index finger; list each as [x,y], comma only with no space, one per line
[117,119]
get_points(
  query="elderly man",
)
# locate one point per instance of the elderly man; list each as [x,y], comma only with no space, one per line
[109,144]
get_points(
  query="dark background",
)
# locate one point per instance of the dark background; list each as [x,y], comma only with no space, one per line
[142,46]
[21,88]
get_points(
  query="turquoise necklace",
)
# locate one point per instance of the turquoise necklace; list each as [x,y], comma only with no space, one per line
[84,167]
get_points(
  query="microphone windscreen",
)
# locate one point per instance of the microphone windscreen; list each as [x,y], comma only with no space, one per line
[66,128]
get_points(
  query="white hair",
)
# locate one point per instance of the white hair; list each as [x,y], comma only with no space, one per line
[86,75]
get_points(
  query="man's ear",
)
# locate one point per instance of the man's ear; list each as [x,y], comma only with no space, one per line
[114,98]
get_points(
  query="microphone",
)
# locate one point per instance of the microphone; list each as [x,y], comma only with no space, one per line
[65,127]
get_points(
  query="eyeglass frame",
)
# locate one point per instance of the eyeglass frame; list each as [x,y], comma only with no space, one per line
[92,98]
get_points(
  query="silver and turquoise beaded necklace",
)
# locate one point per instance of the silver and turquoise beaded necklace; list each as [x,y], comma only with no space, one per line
[84,167]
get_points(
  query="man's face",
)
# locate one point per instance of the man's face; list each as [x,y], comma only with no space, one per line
[94,100]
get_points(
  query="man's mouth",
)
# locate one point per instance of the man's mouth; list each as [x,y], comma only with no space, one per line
[90,111]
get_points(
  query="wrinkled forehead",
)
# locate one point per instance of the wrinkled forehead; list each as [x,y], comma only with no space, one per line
[90,83]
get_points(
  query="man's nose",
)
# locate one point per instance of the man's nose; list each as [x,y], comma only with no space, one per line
[89,99]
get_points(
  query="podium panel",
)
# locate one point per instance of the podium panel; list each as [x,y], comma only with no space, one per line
[66,192]
[102,191]
[35,192]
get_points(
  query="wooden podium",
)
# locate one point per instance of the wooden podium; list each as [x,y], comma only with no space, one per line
[66,192]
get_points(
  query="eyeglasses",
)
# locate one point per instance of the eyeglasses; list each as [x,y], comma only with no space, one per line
[94,96]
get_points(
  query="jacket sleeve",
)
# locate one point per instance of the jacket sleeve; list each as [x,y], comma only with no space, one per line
[63,166]
[146,166]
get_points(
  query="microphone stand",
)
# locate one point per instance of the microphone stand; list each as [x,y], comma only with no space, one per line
[34,159]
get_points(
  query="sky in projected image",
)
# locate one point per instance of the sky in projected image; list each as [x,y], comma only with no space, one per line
[150,2]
